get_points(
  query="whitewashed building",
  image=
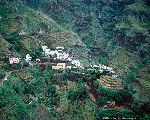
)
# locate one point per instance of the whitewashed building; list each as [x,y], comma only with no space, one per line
[76,63]
[69,67]
[28,59]
[46,50]
[14,59]
[59,66]
[60,48]
[22,32]
[59,53]
[53,52]
[62,56]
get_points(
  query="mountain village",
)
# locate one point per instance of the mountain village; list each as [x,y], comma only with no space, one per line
[59,59]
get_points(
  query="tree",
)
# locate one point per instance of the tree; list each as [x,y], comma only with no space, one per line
[79,94]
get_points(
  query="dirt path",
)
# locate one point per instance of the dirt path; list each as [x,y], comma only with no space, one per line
[5,78]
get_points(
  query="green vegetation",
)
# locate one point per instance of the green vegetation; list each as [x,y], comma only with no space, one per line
[79,94]
[138,7]
[114,33]
[115,114]
[2,74]
[28,93]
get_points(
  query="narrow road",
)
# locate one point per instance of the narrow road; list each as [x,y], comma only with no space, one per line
[7,74]
[5,78]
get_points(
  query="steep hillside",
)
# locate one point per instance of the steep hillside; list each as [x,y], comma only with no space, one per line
[115,32]
[27,29]
[104,26]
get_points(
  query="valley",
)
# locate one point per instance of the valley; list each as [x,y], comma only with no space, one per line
[74,59]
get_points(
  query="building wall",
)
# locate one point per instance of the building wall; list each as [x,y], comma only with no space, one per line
[59,66]
[14,60]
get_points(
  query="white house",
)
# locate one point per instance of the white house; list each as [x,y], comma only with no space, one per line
[101,66]
[14,59]
[22,32]
[104,67]
[38,60]
[69,67]
[59,52]
[109,68]
[62,56]
[60,48]
[46,50]
[95,66]
[114,76]
[53,52]
[44,47]
[59,66]
[113,71]
[76,63]
[69,59]
[28,57]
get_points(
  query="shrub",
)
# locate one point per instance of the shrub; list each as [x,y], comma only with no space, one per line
[110,114]
[102,100]
[123,96]
[80,94]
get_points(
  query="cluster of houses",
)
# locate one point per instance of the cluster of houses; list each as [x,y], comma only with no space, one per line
[65,60]
[62,60]
[58,53]
[15,59]
[101,68]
